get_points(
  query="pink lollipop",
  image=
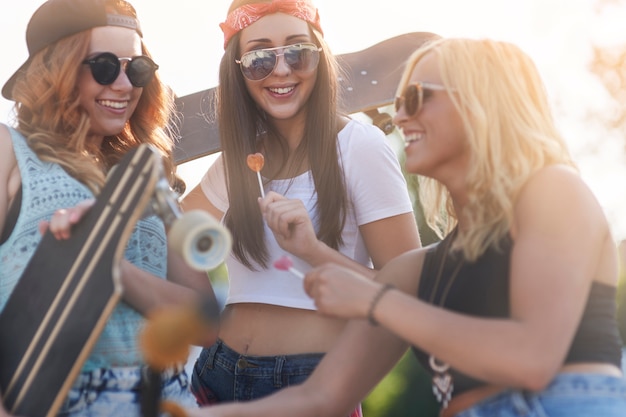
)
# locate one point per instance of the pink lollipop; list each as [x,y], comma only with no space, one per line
[284,264]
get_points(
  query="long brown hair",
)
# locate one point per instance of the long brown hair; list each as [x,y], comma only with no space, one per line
[56,126]
[242,123]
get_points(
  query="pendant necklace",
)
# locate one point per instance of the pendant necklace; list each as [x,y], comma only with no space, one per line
[442,382]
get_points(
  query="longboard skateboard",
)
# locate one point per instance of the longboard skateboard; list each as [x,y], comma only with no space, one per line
[68,290]
[371,77]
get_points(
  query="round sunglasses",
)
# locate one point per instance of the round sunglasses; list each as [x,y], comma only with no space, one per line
[413,96]
[105,68]
[259,64]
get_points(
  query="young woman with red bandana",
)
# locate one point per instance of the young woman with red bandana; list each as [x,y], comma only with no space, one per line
[333,190]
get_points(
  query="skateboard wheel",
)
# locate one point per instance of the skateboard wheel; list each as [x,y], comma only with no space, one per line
[201,240]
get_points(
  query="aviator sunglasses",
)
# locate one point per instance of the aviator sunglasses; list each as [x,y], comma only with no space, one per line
[413,96]
[105,68]
[259,64]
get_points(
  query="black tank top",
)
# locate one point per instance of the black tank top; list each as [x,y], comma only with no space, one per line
[481,288]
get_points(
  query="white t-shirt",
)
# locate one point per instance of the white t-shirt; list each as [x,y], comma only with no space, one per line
[376,190]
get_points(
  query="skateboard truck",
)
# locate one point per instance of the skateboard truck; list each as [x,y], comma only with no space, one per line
[383,121]
[196,235]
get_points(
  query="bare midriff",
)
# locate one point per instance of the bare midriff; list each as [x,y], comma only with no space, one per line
[268,330]
[592,368]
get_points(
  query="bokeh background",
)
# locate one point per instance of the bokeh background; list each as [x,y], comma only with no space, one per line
[578,45]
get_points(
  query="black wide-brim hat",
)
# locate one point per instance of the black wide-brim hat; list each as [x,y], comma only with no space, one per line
[58,19]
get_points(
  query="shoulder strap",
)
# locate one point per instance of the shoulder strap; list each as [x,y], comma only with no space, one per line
[14,210]
[11,218]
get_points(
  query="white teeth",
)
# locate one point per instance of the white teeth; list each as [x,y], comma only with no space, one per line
[284,90]
[413,137]
[114,104]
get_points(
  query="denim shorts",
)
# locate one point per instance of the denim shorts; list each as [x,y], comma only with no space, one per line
[221,374]
[568,395]
[116,392]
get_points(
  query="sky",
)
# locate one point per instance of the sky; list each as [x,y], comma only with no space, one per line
[185,40]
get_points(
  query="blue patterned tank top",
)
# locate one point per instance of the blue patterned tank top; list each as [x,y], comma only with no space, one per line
[46,187]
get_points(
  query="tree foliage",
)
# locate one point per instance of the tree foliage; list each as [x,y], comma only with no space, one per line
[608,63]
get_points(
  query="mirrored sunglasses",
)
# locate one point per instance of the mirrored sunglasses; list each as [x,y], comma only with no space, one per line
[413,96]
[259,64]
[105,68]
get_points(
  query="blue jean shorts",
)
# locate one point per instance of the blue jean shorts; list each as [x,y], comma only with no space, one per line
[116,392]
[221,374]
[569,395]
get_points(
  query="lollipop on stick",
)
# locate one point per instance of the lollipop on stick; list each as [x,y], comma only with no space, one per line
[284,264]
[255,163]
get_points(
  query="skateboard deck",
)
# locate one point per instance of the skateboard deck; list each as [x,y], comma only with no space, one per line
[370,79]
[68,290]
[373,73]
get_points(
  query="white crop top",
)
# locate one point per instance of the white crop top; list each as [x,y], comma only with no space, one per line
[376,190]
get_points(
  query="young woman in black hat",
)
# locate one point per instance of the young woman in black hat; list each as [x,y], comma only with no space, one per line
[87,94]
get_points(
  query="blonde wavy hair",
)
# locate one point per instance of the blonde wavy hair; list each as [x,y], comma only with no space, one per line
[511,134]
[56,126]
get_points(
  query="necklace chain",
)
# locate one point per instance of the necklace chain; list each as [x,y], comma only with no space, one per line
[453,276]
[442,381]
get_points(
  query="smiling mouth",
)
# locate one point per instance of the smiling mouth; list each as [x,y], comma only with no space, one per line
[281,90]
[118,105]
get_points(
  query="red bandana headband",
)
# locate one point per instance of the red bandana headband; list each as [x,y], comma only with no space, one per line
[244,16]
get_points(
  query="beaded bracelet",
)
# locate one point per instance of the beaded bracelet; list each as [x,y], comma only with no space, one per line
[375,300]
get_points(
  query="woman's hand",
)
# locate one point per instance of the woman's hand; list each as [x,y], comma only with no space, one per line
[60,225]
[289,221]
[340,292]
